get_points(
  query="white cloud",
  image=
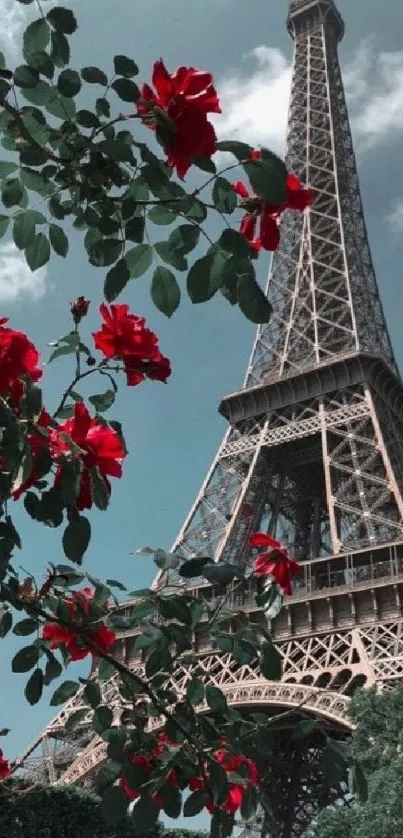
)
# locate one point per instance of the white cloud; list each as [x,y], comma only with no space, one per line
[255,97]
[255,101]
[395,219]
[17,281]
[13,17]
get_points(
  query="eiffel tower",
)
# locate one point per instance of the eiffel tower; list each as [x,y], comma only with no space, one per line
[313,455]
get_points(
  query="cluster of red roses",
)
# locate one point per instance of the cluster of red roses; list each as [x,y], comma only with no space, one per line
[123,337]
[229,762]
[78,607]
[275,561]
[185,97]
[258,210]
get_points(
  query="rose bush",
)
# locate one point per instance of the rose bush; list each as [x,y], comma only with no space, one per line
[104,178]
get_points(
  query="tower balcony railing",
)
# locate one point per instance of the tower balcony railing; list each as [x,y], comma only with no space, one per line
[330,575]
[318,577]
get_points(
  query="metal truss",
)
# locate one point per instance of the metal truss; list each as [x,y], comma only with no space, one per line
[313,454]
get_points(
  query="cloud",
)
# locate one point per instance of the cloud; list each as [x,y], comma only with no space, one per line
[395,219]
[255,96]
[254,99]
[13,18]
[17,281]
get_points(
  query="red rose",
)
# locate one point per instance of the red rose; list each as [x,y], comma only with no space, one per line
[18,357]
[125,336]
[258,210]
[103,636]
[5,769]
[230,763]
[79,309]
[147,763]
[186,97]
[100,446]
[276,562]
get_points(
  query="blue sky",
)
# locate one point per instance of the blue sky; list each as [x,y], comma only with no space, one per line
[172,431]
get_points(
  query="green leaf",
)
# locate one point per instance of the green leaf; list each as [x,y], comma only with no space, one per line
[87,119]
[161,215]
[334,761]
[203,279]
[184,239]
[6,621]
[267,178]
[125,66]
[195,691]
[36,183]
[195,803]
[194,567]
[105,670]
[4,222]
[7,168]
[34,687]
[171,801]
[93,75]
[134,229]
[270,662]
[53,668]
[173,608]
[75,719]
[224,197]
[358,782]
[66,690]
[38,252]
[235,242]
[60,49]
[23,230]
[240,150]
[25,627]
[11,192]
[58,240]
[139,259]
[38,95]
[126,90]
[76,538]
[252,300]
[25,76]
[221,573]
[116,279]
[25,659]
[144,815]
[171,255]
[165,291]
[92,694]
[99,489]
[62,19]
[249,803]
[103,107]
[206,164]
[102,719]
[105,252]
[114,804]
[60,106]
[69,83]
[41,61]
[270,600]
[36,37]
[103,401]
[216,699]
[303,729]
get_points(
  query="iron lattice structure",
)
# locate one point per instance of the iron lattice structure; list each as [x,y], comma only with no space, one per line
[313,455]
